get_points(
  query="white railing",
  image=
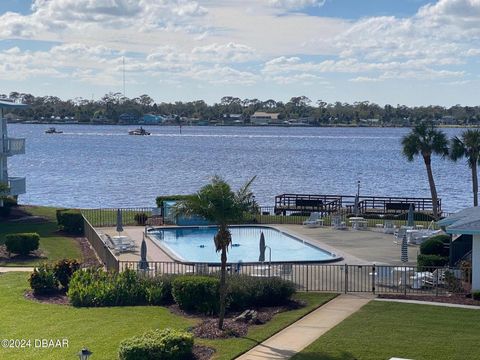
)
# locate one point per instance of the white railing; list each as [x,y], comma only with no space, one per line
[15,146]
[17,185]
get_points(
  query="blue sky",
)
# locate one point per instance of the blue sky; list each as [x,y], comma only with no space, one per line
[412,52]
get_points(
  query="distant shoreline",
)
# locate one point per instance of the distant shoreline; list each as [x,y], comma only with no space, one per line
[242,126]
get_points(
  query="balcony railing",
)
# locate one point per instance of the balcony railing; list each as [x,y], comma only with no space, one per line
[14,146]
[17,185]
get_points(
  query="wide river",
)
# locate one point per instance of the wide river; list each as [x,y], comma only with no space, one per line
[102,166]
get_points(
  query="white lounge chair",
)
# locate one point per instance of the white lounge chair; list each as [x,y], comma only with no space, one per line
[388,227]
[313,221]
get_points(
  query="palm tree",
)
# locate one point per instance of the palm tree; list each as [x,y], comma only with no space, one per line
[425,140]
[217,203]
[468,146]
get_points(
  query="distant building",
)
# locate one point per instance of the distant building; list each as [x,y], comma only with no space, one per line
[151,119]
[264,118]
[9,147]
[127,118]
[232,119]
[447,120]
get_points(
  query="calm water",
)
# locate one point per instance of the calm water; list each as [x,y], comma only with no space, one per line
[195,244]
[102,166]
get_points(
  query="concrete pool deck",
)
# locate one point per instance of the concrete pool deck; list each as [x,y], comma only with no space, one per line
[355,246]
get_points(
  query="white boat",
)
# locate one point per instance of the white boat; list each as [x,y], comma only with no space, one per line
[139,131]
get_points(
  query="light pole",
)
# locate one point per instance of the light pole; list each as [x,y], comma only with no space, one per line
[358,188]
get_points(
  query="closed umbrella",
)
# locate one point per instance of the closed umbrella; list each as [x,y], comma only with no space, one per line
[356,205]
[261,258]
[119,222]
[410,220]
[143,255]
[404,256]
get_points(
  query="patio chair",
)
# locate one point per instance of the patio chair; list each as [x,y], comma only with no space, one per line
[338,223]
[313,221]
[388,227]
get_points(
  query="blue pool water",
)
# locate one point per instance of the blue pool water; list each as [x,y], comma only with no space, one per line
[195,244]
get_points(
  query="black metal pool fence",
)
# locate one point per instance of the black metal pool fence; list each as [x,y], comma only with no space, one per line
[376,279]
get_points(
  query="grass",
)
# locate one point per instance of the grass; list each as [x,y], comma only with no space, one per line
[231,348]
[54,245]
[381,330]
[102,329]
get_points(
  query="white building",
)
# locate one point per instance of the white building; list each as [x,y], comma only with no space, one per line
[9,147]
[264,118]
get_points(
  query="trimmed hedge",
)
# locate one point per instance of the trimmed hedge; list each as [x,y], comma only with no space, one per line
[140,218]
[22,243]
[160,199]
[8,204]
[426,261]
[476,295]
[433,247]
[158,290]
[197,293]
[43,281]
[245,292]
[166,344]
[70,221]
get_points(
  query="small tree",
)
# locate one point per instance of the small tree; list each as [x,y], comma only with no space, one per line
[425,140]
[217,202]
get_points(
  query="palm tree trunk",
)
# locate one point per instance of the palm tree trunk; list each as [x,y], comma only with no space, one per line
[475,182]
[433,190]
[223,287]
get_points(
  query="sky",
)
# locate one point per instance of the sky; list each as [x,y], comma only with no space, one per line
[409,52]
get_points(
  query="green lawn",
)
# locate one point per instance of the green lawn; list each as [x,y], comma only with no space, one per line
[381,330]
[102,329]
[231,348]
[54,245]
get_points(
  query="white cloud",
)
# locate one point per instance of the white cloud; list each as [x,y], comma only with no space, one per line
[296,4]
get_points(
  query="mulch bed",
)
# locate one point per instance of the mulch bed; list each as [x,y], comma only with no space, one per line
[5,256]
[202,352]
[451,299]
[208,328]
[89,257]
[57,299]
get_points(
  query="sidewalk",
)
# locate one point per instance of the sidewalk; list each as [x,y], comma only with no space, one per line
[302,333]
[4,269]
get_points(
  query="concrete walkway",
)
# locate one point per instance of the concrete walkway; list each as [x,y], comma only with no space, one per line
[302,333]
[4,269]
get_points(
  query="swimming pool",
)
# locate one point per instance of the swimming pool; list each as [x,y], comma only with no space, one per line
[195,244]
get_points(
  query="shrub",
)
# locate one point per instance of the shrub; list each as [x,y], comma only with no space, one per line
[22,243]
[8,204]
[140,218]
[70,221]
[476,295]
[424,262]
[246,292]
[434,246]
[167,344]
[197,293]
[42,280]
[160,199]
[64,270]
[158,290]
[442,237]
[95,287]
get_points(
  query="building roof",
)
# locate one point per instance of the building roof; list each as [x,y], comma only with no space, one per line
[7,103]
[263,114]
[465,222]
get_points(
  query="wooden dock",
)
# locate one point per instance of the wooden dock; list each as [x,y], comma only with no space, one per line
[329,204]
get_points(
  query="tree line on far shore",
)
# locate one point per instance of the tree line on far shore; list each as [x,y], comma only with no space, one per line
[112,105]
